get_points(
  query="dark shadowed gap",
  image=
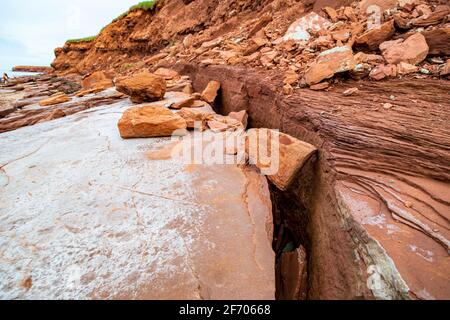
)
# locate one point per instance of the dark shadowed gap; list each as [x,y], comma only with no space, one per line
[291,238]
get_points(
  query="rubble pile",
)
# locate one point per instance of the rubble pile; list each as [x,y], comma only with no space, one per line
[370,38]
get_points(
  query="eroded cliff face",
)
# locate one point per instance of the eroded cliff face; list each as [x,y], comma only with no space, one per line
[142,33]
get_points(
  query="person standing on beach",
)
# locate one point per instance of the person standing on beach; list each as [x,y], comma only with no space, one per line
[5,78]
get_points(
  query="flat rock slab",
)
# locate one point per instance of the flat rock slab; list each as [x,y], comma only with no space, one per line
[87,215]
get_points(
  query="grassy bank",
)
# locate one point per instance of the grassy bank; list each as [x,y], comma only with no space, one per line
[144,5]
[87,39]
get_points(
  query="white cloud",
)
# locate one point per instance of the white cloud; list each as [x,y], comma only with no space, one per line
[41,26]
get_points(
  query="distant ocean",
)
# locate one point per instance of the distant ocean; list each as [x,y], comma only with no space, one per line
[13,74]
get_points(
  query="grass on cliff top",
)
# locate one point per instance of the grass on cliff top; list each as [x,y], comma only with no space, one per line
[87,39]
[144,5]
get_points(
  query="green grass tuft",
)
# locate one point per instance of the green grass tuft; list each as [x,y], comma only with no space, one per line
[87,39]
[127,66]
[144,5]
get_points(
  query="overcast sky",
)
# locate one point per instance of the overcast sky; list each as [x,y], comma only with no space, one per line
[30,30]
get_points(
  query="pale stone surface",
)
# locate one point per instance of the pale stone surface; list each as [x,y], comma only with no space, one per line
[376,6]
[86,215]
[299,30]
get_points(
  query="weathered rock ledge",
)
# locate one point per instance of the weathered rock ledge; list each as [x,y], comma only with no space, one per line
[40,69]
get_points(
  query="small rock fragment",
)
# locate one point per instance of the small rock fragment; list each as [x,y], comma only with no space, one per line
[55,99]
[350,14]
[213,43]
[293,275]
[195,119]
[374,37]
[429,18]
[332,14]
[167,74]
[362,57]
[221,123]
[438,40]
[290,77]
[406,68]
[350,91]
[210,93]
[341,35]
[320,86]
[383,71]
[86,92]
[183,103]
[240,116]
[387,106]
[217,126]
[445,70]
[287,89]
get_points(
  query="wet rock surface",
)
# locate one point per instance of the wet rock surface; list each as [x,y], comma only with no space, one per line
[41,101]
[91,223]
